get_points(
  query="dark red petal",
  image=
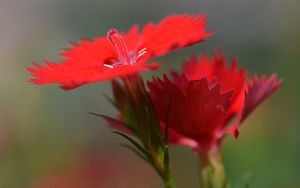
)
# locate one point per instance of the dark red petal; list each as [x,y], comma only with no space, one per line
[258,90]
[173,32]
[230,78]
[233,129]
[178,139]
[203,67]
[71,76]
[207,105]
[196,111]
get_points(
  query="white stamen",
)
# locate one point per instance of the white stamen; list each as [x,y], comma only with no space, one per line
[141,52]
[108,66]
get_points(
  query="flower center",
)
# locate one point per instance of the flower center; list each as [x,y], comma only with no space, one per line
[124,57]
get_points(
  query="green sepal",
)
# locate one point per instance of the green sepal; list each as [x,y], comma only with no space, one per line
[135,143]
[120,95]
[134,150]
[111,100]
[166,159]
[212,172]
[166,136]
[113,120]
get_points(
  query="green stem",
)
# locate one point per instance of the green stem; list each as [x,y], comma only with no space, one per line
[168,180]
[211,170]
[165,174]
[161,164]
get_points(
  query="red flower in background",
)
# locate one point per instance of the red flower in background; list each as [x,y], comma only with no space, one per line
[121,54]
[89,171]
[206,97]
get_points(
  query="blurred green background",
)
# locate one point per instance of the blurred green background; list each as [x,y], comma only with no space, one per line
[47,139]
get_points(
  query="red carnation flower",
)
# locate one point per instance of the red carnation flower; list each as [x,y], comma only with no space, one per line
[206,97]
[121,54]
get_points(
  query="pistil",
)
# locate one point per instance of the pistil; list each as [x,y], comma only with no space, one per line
[118,43]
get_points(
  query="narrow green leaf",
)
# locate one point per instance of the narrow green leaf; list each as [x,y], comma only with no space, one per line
[110,119]
[109,99]
[166,157]
[166,136]
[121,123]
[134,150]
[137,145]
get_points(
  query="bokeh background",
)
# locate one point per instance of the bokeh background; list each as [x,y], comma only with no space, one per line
[48,140]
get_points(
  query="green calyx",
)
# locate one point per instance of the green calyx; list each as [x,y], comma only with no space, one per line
[134,104]
[211,170]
